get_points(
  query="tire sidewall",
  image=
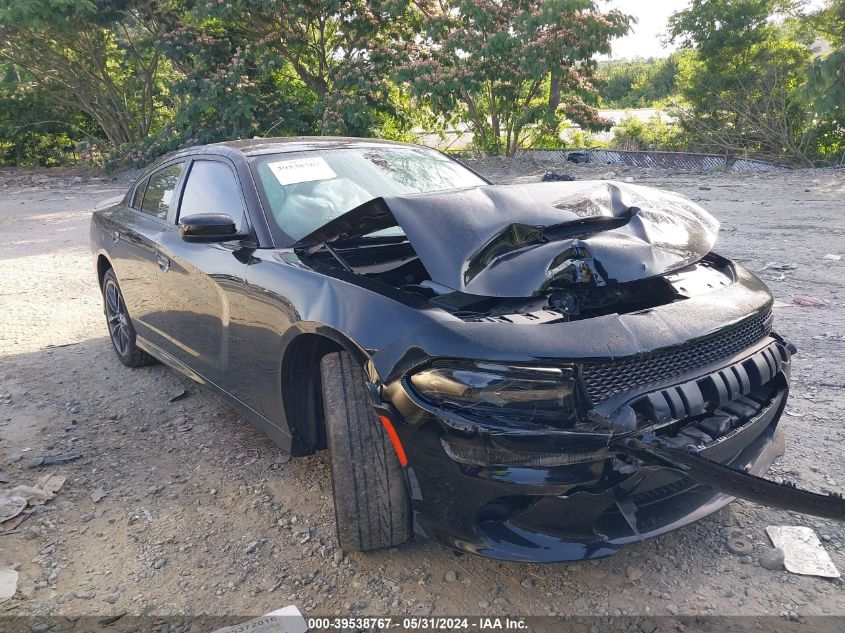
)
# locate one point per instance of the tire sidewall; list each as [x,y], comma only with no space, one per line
[370,492]
[110,277]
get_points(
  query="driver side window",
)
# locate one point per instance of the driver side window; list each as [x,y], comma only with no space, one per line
[212,188]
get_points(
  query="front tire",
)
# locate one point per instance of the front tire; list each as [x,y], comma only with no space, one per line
[121,330]
[371,501]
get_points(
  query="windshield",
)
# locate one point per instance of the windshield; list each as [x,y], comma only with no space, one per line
[305,190]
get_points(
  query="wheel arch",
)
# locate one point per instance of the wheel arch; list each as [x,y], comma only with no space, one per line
[103,264]
[301,384]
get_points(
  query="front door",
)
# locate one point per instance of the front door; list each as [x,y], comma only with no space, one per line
[200,283]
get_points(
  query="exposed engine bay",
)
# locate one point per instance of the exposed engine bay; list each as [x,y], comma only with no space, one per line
[396,265]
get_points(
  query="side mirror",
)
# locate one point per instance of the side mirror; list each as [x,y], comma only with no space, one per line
[209,227]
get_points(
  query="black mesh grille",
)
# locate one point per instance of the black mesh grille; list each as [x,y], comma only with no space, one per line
[663,492]
[608,378]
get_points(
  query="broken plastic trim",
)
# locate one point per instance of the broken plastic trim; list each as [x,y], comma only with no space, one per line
[651,450]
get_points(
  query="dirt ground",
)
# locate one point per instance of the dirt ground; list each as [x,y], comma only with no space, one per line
[203,515]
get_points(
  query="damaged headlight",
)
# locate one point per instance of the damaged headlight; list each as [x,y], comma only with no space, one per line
[509,394]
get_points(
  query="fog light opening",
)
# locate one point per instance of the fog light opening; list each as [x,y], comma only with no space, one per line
[503,509]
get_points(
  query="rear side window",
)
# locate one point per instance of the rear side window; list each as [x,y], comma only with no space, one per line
[138,198]
[212,188]
[159,193]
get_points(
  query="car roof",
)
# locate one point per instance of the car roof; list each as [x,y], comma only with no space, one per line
[280,145]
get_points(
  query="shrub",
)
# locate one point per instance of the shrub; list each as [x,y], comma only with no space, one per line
[656,134]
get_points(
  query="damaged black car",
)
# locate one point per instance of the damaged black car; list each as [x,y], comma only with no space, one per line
[531,372]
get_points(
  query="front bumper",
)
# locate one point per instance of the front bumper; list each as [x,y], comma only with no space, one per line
[470,492]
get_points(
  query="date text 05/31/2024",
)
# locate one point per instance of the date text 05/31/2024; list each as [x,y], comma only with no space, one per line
[419,623]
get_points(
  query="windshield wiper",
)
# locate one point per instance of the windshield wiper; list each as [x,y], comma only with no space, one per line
[324,246]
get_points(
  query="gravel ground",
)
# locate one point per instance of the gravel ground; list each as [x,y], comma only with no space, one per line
[203,515]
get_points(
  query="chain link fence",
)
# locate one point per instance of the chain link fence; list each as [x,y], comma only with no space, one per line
[677,160]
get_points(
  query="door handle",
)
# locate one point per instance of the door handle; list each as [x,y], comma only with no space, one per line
[163,263]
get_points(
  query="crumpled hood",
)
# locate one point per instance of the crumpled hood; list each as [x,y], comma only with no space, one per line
[518,240]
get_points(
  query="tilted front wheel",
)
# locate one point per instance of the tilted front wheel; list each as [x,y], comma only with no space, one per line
[370,496]
[121,331]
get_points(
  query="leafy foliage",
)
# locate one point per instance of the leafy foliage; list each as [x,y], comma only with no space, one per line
[825,88]
[655,134]
[335,51]
[261,67]
[223,91]
[639,83]
[741,80]
[132,79]
[33,131]
[97,56]
[510,69]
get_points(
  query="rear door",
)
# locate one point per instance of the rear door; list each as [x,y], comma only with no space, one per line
[201,284]
[135,253]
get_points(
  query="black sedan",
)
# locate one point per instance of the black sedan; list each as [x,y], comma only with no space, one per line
[538,372]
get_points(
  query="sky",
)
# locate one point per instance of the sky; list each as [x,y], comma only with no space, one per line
[652,15]
[645,40]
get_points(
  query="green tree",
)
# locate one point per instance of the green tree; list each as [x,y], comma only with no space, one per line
[98,56]
[226,88]
[33,129]
[335,51]
[508,69]
[655,134]
[637,83]
[740,78]
[825,90]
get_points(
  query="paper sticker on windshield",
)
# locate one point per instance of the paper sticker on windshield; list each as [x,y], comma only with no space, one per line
[290,172]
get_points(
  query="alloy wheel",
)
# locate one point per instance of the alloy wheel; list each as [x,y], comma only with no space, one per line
[117,318]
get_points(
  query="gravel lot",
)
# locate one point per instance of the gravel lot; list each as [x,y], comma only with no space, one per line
[203,515]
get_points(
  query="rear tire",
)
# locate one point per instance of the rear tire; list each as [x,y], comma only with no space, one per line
[121,330]
[371,501]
